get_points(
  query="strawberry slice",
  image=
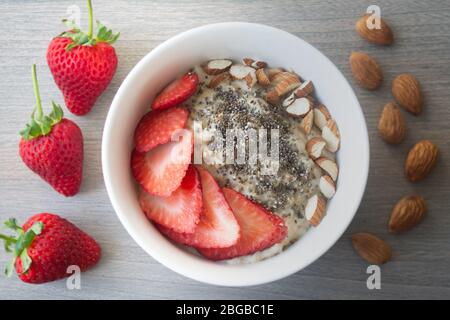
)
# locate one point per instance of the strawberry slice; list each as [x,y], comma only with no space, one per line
[161,170]
[177,92]
[157,127]
[181,210]
[260,228]
[218,227]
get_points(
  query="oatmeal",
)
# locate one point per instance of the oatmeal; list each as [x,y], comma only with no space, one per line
[233,106]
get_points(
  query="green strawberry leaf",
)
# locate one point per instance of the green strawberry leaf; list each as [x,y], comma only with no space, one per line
[26,261]
[22,244]
[42,126]
[10,267]
[7,246]
[8,242]
[11,223]
[105,35]
[71,25]
[37,227]
[81,38]
[24,241]
[57,113]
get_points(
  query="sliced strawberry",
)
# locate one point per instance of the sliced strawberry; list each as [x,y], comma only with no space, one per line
[218,227]
[181,210]
[157,127]
[161,170]
[260,228]
[177,92]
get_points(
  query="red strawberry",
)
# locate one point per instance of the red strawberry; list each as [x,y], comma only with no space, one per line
[161,170]
[218,227]
[52,147]
[181,210]
[82,65]
[260,229]
[157,127]
[177,92]
[46,246]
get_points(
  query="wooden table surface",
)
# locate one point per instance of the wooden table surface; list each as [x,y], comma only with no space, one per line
[421,258]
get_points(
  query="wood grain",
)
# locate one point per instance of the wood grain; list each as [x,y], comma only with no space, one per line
[421,258]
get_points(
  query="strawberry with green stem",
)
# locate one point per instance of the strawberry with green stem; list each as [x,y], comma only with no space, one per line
[82,64]
[46,245]
[52,146]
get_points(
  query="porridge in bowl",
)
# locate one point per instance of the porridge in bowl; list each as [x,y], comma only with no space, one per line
[236,160]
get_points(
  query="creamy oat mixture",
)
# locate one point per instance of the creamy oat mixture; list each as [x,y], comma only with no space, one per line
[233,105]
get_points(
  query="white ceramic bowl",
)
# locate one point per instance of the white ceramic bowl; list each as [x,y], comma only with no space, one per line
[234,40]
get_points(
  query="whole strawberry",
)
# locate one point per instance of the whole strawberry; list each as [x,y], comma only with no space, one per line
[52,147]
[46,246]
[82,65]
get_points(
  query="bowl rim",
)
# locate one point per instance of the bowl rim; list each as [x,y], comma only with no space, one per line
[166,260]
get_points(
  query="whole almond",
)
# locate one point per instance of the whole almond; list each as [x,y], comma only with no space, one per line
[406,90]
[407,213]
[365,70]
[382,36]
[421,160]
[371,248]
[392,124]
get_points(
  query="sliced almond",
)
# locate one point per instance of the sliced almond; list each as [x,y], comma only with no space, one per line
[263,78]
[285,82]
[254,64]
[329,166]
[273,72]
[321,116]
[306,88]
[248,61]
[307,122]
[300,107]
[330,133]
[259,64]
[315,209]
[250,79]
[327,186]
[289,100]
[314,147]
[272,97]
[215,67]
[217,80]
[239,71]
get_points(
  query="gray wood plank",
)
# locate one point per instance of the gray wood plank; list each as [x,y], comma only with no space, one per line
[420,267]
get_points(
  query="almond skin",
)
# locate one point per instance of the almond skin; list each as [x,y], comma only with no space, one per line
[407,213]
[392,125]
[365,70]
[371,248]
[263,78]
[421,160]
[218,79]
[382,36]
[406,91]
[285,82]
